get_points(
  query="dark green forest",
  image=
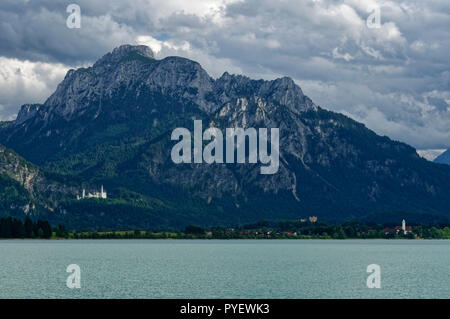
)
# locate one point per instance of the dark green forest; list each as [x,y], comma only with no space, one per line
[16,228]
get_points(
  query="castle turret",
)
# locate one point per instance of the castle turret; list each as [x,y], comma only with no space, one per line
[102,193]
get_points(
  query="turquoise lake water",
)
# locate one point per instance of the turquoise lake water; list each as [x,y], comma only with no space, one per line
[224,269]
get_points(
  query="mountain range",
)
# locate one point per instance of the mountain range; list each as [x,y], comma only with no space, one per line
[110,124]
[444,158]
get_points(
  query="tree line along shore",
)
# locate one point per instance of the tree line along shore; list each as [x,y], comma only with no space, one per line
[12,228]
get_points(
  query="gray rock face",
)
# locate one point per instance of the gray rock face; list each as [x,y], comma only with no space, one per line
[43,191]
[18,169]
[281,91]
[134,68]
[27,112]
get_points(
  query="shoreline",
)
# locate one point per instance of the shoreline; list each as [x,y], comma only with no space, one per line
[12,228]
[226,239]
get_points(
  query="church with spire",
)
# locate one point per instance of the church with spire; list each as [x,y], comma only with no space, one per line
[404,229]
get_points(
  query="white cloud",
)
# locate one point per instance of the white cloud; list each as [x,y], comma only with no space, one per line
[157,45]
[26,82]
[336,55]
[430,154]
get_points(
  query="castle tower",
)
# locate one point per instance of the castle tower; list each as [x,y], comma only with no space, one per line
[102,193]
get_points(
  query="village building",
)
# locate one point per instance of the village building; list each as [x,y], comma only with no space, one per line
[403,229]
[312,219]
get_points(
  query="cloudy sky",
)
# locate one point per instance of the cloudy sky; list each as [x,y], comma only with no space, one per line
[395,78]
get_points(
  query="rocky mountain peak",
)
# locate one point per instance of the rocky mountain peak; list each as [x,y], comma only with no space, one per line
[133,68]
[112,123]
[123,52]
[26,112]
[282,91]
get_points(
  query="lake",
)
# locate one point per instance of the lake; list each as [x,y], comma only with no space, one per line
[225,269]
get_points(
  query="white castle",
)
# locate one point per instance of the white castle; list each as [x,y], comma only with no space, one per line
[101,194]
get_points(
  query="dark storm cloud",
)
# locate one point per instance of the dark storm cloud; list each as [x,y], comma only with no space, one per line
[36,30]
[395,79]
